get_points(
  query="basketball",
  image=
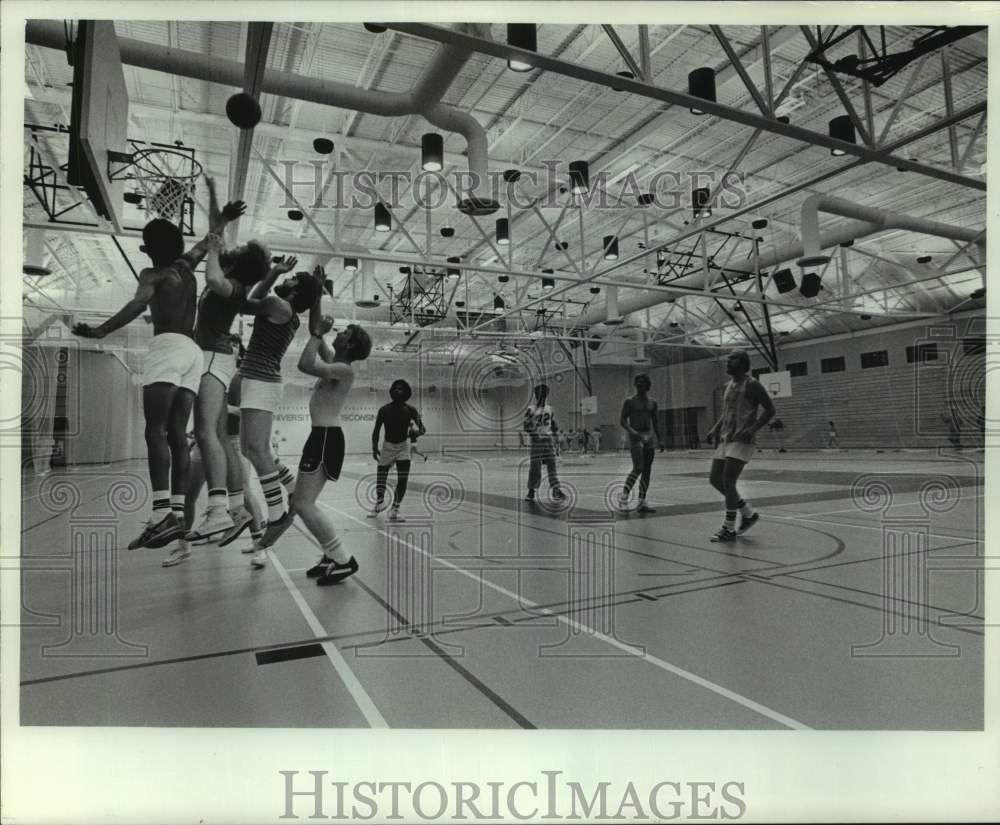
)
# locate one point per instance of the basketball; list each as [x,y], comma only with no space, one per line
[243,110]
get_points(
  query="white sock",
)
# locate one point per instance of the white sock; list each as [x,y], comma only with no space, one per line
[335,550]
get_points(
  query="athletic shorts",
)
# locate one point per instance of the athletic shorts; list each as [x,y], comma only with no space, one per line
[739,450]
[391,451]
[260,395]
[233,422]
[220,364]
[172,359]
[325,446]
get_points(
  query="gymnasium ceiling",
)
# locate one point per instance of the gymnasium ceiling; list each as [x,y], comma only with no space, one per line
[543,116]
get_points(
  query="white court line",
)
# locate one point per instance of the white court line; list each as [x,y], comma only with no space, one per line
[850,526]
[358,694]
[750,704]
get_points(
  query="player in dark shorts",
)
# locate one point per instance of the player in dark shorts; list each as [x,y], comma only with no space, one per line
[398,418]
[275,324]
[639,419]
[228,277]
[540,425]
[172,368]
[323,453]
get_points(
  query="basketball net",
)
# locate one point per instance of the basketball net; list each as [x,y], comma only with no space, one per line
[166,179]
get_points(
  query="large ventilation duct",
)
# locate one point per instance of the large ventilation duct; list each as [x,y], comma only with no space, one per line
[423,99]
[870,221]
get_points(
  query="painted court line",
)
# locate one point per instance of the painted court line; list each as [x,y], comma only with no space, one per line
[358,693]
[739,699]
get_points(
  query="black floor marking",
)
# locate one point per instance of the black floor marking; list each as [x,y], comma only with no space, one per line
[289,654]
[646,596]
[908,482]
[471,678]
[28,529]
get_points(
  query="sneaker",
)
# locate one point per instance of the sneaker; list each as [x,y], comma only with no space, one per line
[623,501]
[181,553]
[215,522]
[319,568]
[144,536]
[725,534]
[746,522]
[645,508]
[336,573]
[168,529]
[241,520]
[378,508]
[558,495]
[259,559]
[275,529]
[394,514]
[530,498]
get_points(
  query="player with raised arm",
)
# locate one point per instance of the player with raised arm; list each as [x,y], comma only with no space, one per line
[172,367]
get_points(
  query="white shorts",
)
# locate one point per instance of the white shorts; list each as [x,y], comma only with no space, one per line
[172,359]
[391,452]
[739,450]
[260,395]
[220,364]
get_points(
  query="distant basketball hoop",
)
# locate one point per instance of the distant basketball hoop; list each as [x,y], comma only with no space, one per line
[165,177]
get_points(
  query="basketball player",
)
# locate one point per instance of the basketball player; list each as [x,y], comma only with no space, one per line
[640,420]
[832,442]
[172,368]
[398,418]
[734,433]
[277,319]
[228,277]
[540,425]
[323,453]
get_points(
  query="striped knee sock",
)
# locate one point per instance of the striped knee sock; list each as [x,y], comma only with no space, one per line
[285,476]
[730,522]
[217,498]
[236,499]
[161,504]
[272,495]
[745,509]
[335,550]
[177,506]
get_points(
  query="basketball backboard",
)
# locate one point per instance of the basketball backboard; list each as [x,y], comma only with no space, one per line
[777,384]
[99,117]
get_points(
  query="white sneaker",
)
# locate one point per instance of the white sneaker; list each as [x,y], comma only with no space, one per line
[180,554]
[259,559]
[394,514]
[215,522]
[241,521]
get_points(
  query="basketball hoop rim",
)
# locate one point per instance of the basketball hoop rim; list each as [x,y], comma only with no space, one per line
[136,168]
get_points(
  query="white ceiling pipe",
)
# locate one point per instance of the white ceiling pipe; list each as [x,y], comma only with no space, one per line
[423,99]
[872,221]
[613,316]
[880,219]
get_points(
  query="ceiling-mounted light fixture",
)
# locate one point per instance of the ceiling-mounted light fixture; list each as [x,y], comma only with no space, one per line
[503,278]
[323,146]
[295,215]
[548,283]
[579,176]
[701,83]
[627,75]
[759,223]
[511,175]
[784,281]
[611,247]
[924,259]
[521,36]
[447,231]
[810,286]
[700,203]
[132,197]
[595,290]
[842,128]
[453,272]
[351,264]
[431,152]
[865,317]
[459,304]
[383,220]
[374,28]
[498,302]
[562,246]
[645,199]
[503,231]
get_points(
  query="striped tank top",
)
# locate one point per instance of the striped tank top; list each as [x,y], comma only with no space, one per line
[267,347]
[739,411]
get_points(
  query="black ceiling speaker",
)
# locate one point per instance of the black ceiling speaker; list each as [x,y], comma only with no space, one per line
[701,83]
[810,285]
[784,281]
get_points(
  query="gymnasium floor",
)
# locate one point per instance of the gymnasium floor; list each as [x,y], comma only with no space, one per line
[482,611]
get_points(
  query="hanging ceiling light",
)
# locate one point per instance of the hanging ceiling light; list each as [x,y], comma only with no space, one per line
[784,281]
[498,302]
[323,146]
[521,36]
[842,128]
[611,247]
[701,83]
[295,215]
[351,264]
[627,75]
[432,152]
[579,176]
[453,272]
[503,278]
[700,203]
[447,231]
[645,199]
[374,28]
[595,290]
[810,286]
[562,245]
[503,231]
[548,283]
[383,220]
